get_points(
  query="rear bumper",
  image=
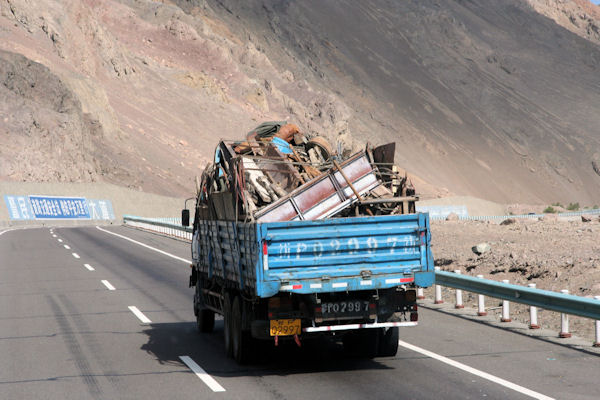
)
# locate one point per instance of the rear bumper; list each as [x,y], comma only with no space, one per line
[358,326]
[260,330]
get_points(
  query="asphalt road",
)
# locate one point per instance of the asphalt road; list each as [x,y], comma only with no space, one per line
[65,335]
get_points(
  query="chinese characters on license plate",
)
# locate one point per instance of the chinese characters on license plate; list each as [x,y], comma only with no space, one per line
[285,327]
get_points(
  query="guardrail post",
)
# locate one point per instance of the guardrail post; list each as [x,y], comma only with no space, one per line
[459,299]
[420,294]
[438,292]
[533,320]
[597,342]
[564,321]
[481,302]
[505,308]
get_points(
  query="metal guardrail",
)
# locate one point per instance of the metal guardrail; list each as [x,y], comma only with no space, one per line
[166,226]
[548,300]
[595,211]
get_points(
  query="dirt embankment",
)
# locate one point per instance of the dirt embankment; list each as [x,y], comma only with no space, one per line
[553,254]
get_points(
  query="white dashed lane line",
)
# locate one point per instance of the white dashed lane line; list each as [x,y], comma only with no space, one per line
[76,255]
[196,369]
[200,373]
[60,240]
[89,267]
[108,285]
[139,314]
[67,247]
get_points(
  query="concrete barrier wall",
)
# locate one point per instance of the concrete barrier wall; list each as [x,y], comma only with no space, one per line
[124,201]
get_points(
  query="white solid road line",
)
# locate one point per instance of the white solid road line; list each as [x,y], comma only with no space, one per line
[108,285]
[146,246]
[76,255]
[139,314]
[89,267]
[476,372]
[200,373]
[67,247]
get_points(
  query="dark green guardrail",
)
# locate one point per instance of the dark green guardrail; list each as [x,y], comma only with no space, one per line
[548,300]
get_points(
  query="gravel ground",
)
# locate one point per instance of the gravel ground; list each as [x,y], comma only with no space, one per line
[553,254]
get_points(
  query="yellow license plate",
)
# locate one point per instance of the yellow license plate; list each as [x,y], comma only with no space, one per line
[285,327]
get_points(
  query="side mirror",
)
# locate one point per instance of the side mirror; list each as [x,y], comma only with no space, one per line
[185,217]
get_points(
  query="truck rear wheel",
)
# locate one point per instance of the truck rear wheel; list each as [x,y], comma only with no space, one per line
[227,324]
[205,320]
[242,343]
[388,342]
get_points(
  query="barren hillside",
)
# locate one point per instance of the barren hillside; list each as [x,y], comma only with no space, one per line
[578,16]
[495,100]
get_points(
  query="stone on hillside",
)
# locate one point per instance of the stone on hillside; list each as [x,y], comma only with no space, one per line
[508,221]
[452,217]
[481,248]
[586,218]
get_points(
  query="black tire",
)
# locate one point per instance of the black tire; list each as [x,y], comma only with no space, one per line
[242,343]
[362,343]
[388,342]
[227,324]
[205,320]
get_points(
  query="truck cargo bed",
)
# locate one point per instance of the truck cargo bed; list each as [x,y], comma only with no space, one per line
[333,255]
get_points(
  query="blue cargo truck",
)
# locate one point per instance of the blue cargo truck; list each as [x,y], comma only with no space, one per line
[350,277]
[289,247]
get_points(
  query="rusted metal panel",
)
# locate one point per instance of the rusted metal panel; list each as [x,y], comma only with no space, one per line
[325,195]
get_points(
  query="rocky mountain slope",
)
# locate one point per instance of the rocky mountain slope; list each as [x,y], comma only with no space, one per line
[495,100]
[578,16]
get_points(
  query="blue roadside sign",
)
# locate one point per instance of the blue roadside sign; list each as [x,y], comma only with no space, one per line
[39,207]
[46,207]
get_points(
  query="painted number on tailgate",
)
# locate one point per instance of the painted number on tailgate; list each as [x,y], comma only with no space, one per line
[394,245]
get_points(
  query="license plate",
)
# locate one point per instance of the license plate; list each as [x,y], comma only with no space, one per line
[285,327]
[348,308]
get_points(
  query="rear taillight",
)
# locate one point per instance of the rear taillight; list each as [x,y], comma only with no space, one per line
[265,255]
[414,316]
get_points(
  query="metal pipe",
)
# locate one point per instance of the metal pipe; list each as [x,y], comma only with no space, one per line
[481,302]
[505,308]
[390,200]
[564,321]
[438,291]
[459,299]
[533,319]
[358,196]
[597,342]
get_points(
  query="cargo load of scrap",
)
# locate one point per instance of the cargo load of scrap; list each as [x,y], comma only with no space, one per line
[295,236]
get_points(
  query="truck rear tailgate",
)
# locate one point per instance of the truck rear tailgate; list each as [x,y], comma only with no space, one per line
[343,254]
